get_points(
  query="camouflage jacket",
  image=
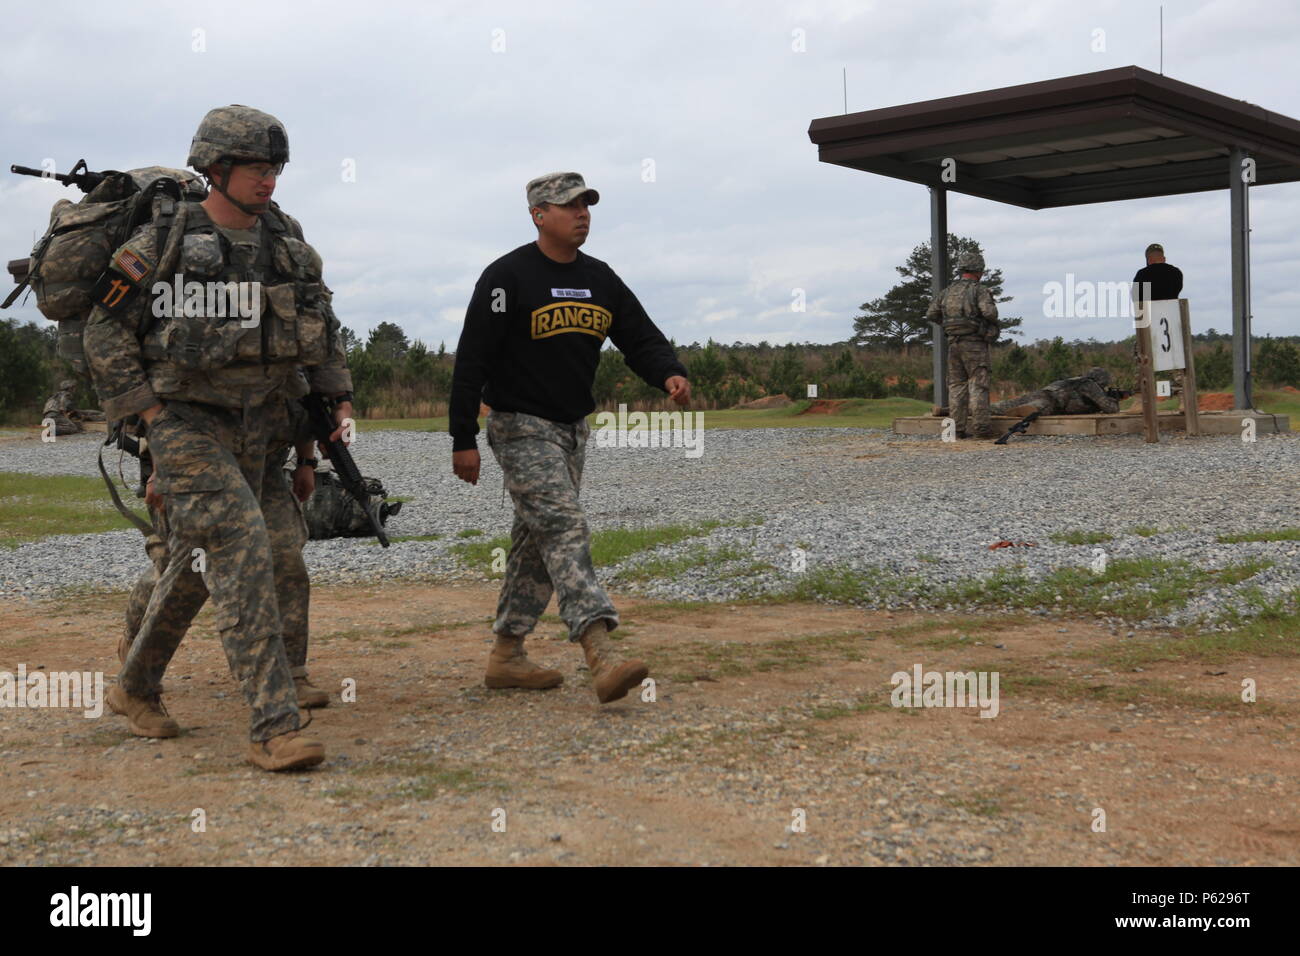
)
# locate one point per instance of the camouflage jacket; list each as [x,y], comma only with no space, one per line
[1080,396]
[965,312]
[162,328]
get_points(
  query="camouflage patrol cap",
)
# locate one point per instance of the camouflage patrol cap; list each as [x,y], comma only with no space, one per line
[1155,249]
[559,188]
[1099,375]
[240,134]
[971,262]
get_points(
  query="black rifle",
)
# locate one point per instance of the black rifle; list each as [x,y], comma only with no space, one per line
[321,419]
[81,176]
[1019,426]
[1119,394]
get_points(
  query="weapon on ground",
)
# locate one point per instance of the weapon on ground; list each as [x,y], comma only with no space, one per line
[1019,426]
[321,418]
[1119,394]
[80,176]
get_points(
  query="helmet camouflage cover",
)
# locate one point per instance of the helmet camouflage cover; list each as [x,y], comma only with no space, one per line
[240,134]
[971,262]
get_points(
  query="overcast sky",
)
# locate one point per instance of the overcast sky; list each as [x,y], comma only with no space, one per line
[446,110]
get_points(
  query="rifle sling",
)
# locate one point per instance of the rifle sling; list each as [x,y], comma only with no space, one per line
[127,513]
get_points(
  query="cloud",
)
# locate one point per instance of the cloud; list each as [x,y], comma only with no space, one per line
[443,133]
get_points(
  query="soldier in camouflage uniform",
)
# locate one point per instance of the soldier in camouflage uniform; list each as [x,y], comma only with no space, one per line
[61,410]
[532,336]
[174,611]
[1082,395]
[969,317]
[212,388]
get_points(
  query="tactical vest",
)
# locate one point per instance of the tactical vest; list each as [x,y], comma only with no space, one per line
[208,335]
[961,316]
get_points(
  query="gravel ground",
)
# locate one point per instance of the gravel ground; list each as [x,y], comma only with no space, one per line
[895,506]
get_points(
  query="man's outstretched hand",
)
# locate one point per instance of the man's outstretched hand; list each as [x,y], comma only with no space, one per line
[679,390]
[466,464]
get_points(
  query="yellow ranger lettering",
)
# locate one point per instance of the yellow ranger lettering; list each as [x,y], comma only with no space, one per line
[558,317]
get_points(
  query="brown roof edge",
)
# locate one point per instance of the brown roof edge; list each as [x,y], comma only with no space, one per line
[1128,81]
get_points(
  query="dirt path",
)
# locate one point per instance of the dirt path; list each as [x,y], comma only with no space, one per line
[761,711]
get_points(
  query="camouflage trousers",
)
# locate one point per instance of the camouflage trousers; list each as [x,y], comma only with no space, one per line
[210,464]
[968,376]
[550,543]
[1041,400]
[178,607]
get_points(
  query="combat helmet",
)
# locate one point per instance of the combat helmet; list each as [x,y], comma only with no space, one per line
[971,262]
[238,134]
[1099,375]
[68,384]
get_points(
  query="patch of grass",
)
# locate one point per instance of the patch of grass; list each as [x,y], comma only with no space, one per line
[37,506]
[840,585]
[862,705]
[1014,680]
[697,557]
[1130,588]
[1079,537]
[929,558]
[425,779]
[469,533]
[1269,635]
[608,547]
[476,554]
[988,803]
[1277,534]
[345,792]
[1144,531]
[697,659]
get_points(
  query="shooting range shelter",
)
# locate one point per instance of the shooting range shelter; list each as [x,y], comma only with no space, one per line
[1116,134]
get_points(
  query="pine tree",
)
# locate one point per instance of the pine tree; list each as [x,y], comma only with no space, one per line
[897,318]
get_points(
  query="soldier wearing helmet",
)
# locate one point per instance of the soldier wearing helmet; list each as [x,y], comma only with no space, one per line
[216,389]
[61,411]
[968,315]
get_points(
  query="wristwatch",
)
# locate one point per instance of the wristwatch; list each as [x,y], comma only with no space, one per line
[343,397]
[308,463]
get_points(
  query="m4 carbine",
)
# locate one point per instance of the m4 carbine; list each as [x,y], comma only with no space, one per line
[80,176]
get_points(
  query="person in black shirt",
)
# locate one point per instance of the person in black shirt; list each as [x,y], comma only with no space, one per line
[529,349]
[1156,281]
[1165,281]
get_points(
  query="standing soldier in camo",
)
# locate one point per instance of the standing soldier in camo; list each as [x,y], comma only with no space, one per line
[211,382]
[174,611]
[969,317]
[530,346]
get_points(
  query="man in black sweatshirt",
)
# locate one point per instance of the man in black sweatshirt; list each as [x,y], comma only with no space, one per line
[1155,282]
[529,349]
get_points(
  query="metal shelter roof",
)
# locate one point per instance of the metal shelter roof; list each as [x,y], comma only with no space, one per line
[1124,133]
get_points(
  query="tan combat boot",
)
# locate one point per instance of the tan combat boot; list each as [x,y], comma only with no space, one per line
[146,716]
[290,751]
[309,695]
[611,677]
[509,666]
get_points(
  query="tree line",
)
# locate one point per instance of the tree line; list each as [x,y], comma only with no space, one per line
[886,354]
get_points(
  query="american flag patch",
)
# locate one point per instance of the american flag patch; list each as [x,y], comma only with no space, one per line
[131,265]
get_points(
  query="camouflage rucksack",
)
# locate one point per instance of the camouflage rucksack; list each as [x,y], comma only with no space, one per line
[333,513]
[961,309]
[69,259]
